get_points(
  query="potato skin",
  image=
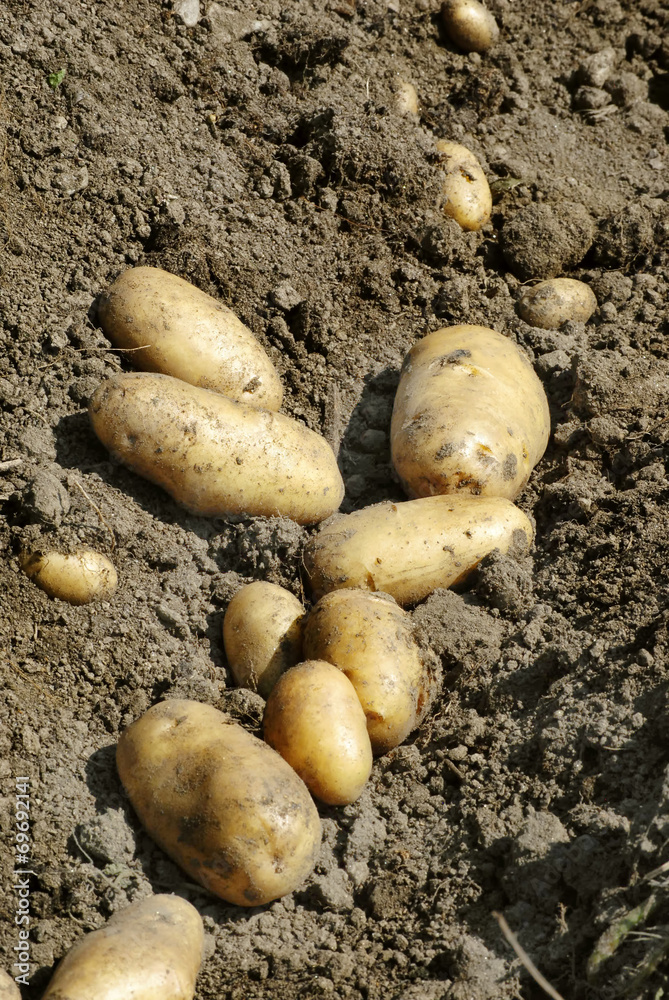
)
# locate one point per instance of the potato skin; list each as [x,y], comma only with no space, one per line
[371,640]
[409,549]
[314,720]
[213,455]
[466,193]
[78,578]
[470,415]
[262,635]
[189,335]
[469,25]
[151,950]
[219,801]
[8,988]
[551,303]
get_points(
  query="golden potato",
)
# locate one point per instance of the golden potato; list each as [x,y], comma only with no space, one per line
[465,190]
[8,988]
[225,807]
[469,25]
[262,635]
[314,720]
[78,578]
[371,640]
[470,415]
[551,303]
[409,549]
[151,950]
[213,455]
[173,328]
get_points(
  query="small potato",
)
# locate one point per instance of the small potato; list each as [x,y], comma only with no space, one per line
[466,192]
[409,549]
[406,98]
[173,328]
[8,988]
[224,806]
[314,720]
[151,950]
[551,303]
[470,415]
[469,25]
[371,640]
[213,455]
[262,634]
[78,578]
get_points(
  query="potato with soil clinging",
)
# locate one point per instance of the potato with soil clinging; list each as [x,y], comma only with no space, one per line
[224,806]
[151,950]
[465,190]
[553,302]
[406,98]
[213,455]
[469,25]
[78,577]
[470,415]
[371,640]
[409,549]
[173,328]
[262,635]
[314,719]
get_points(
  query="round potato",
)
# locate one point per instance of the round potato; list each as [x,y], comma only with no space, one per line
[225,807]
[551,303]
[469,25]
[470,415]
[262,635]
[213,455]
[151,950]
[8,988]
[409,549]
[371,640]
[314,720]
[173,328]
[465,191]
[78,578]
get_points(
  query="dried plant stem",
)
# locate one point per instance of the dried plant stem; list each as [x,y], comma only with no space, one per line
[525,958]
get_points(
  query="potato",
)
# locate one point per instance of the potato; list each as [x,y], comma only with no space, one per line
[371,640]
[409,549]
[213,455]
[406,98]
[470,415]
[8,988]
[262,635]
[314,720]
[551,303]
[151,950]
[173,328]
[465,190]
[469,25]
[78,578]
[225,807]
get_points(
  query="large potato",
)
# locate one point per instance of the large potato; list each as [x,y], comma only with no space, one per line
[151,950]
[78,577]
[213,455]
[409,549]
[371,640]
[173,328]
[470,415]
[262,635]
[314,719]
[227,808]
[466,193]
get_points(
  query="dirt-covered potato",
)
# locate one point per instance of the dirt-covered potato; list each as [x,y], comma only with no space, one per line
[214,455]
[409,549]
[465,191]
[173,328]
[151,950]
[78,577]
[551,303]
[406,98]
[8,988]
[262,635]
[469,25]
[470,415]
[225,807]
[314,719]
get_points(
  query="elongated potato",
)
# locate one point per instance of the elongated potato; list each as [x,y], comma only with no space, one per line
[225,807]
[78,578]
[551,303]
[151,950]
[213,455]
[470,415]
[262,635]
[409,549]
[465,191]
[173,328]
[371,640]
[314,719]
